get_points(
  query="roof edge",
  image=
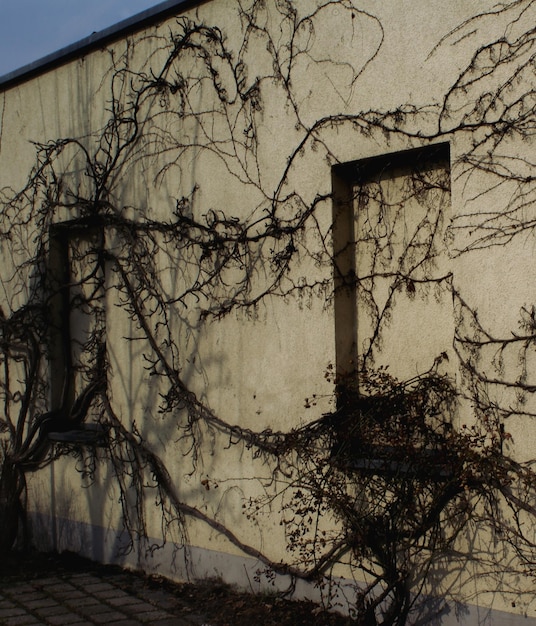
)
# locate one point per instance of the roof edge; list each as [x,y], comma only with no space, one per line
[96,40]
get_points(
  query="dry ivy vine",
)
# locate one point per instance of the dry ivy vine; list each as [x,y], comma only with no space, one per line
[398,484]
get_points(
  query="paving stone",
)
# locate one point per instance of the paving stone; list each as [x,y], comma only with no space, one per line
[59,587]
[11,612]
[65,619]
[41,603]
[68,593]
[43,582]
[138,605]
[106,594]
[90,610]
[47,611]
[97,586]
[18,588]
[124,599]
[6,604]
[22,620]
[104,618]
[172,621]
[23,598]
[82,580]
[82,602]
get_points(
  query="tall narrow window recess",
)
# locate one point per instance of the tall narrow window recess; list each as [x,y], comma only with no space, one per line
[394,319]
[77,315]
[393,302]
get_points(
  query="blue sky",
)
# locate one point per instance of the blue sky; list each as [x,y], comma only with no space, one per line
[31,29]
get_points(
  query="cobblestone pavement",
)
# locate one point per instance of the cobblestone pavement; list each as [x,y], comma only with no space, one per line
[84,599]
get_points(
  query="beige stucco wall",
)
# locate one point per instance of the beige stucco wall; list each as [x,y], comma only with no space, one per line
[255,368]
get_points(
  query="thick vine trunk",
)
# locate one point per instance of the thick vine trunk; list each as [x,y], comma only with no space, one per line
[12,487]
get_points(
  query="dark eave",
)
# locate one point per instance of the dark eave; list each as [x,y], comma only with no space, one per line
[97,40]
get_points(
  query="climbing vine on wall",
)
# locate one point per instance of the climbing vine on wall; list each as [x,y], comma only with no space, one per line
[389,481]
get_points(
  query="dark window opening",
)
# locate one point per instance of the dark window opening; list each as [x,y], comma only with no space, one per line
[77,310]
[393,306]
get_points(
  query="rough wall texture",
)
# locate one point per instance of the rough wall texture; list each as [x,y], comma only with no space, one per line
[210,226]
